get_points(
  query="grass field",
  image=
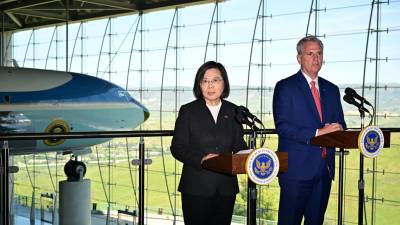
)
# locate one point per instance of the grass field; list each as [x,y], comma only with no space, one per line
[118,184]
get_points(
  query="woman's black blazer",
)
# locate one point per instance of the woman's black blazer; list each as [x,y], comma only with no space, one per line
[195,135]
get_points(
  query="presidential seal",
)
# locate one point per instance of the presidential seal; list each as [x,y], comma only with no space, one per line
[370,141]
[56,126]
[262,166]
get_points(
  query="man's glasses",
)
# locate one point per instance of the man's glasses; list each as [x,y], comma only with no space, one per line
[213,81]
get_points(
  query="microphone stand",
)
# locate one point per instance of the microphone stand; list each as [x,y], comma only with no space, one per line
[251,186]
[361,183]
[349,98]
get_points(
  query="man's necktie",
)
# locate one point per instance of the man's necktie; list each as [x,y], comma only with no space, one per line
[317,101]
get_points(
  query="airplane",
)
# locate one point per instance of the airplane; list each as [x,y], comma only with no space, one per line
[47,101]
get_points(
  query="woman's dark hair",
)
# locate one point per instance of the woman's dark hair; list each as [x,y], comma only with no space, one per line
[200,75]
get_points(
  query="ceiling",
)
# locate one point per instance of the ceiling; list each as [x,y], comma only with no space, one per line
[26,14]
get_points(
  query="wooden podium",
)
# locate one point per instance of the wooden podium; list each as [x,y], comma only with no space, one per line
[344,139]
[347,139]
[236,164]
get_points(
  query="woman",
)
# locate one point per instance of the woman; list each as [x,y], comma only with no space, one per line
[205,128]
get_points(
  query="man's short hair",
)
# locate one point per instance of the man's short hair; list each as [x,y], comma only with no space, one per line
[305,39]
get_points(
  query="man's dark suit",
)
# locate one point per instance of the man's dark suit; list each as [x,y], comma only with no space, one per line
[296,121]
[196,135]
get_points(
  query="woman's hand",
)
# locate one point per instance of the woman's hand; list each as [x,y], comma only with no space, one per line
[209,156]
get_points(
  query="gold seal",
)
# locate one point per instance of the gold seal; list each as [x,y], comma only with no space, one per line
[370,141]
[57,126]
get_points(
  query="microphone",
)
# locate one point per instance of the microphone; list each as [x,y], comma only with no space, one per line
[244,112]
[349,99]
[242,119]
[353,93]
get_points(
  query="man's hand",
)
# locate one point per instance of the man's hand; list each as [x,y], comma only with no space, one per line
[329,127]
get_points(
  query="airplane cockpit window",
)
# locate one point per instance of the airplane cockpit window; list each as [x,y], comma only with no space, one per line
[124,94]
[7,99]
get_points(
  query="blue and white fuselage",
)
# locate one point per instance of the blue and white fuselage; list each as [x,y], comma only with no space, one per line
[37,101]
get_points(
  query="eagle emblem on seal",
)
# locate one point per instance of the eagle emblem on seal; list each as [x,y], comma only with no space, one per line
[262,168]
[372,142]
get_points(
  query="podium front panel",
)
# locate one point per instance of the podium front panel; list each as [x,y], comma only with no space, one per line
[236,163]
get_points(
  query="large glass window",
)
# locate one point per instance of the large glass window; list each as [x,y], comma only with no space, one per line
[155,56]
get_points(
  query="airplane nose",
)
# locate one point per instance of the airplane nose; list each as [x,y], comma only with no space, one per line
[146,115]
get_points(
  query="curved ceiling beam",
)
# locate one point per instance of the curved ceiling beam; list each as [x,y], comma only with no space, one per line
[113,4]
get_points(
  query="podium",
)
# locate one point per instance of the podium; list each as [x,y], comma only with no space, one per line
[347,139]
[344,139]
[236,164]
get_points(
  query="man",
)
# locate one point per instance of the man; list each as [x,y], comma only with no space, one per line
[304,106]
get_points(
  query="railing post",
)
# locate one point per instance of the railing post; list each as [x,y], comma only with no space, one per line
[4,187]
[141,181]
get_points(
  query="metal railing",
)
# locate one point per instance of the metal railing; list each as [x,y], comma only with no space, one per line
[5,137]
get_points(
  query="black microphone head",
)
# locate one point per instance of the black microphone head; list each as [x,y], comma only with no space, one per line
[349,99]
[240,114]
[353,93]
[350,91]
[247,114]
[242,109]
[241,118]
